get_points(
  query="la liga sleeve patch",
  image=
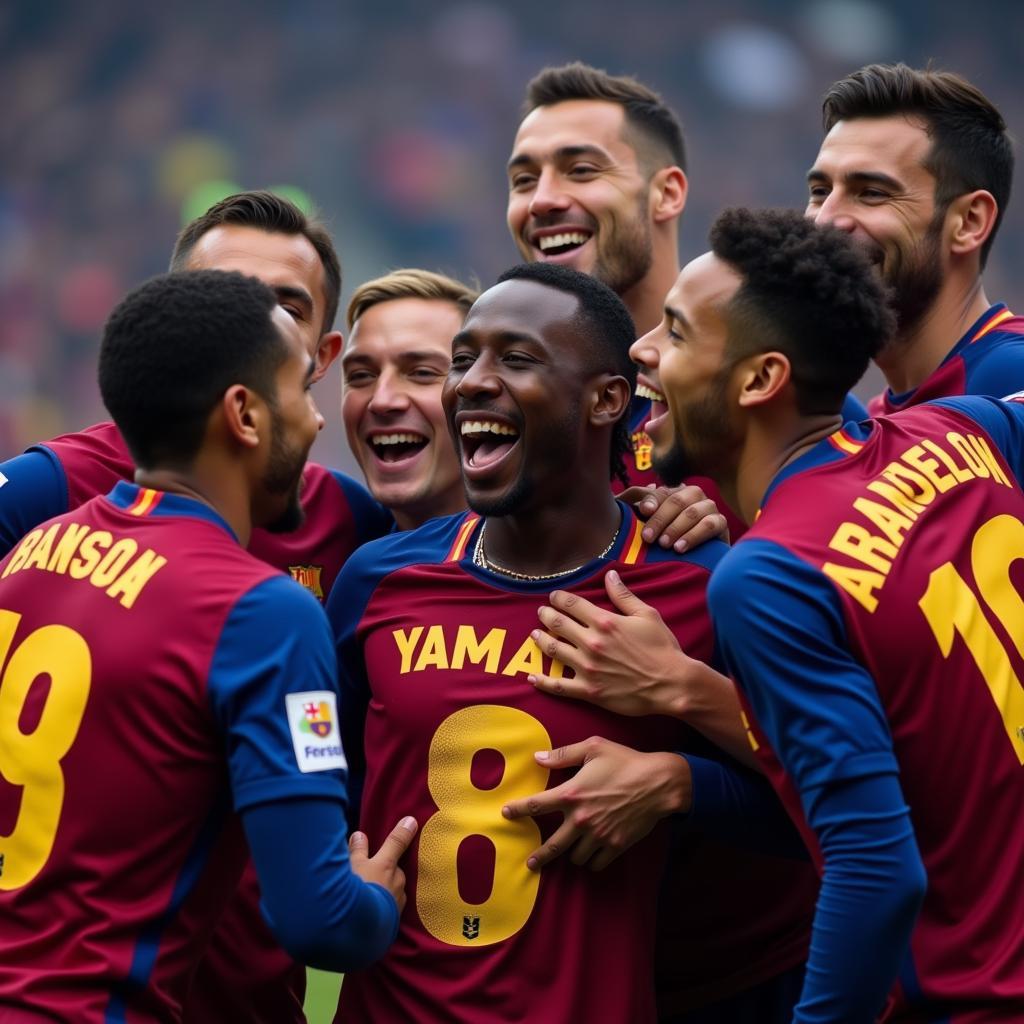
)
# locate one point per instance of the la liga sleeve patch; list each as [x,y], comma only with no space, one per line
[313,723]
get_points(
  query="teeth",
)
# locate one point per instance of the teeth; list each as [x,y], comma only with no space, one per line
[642,391]
[567,238]
[382,439]
[485,427]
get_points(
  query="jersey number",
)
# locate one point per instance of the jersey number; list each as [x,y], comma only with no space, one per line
[31,760]
[466,810]
[952,607]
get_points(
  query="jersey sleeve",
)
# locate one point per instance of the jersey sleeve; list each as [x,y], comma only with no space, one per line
[274,694]
[1000,371]
[32,489]
[783,638]
[1002,420]
[372,519]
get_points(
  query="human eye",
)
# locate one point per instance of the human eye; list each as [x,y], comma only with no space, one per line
[521,180]
[462,361]
[426,374]
[818,193]
[582,170]
[358,378]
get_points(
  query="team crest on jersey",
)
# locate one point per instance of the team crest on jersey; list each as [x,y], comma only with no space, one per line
[312,720]
[642,446]
[471,927]
[309,577]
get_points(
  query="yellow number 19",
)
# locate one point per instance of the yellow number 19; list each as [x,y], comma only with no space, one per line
[951,608]
[32,760]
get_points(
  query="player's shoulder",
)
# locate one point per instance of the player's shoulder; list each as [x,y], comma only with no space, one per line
[324,486]
[101,441]
[754,564]
[704,556]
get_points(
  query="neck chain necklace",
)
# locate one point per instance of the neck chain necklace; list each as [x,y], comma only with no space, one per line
[480,559]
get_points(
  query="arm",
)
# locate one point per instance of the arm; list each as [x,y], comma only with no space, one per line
[274,660]
[632,664]
[32,490]
[339,922]
[783,636]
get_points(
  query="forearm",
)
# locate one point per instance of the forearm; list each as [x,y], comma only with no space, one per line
[871,891]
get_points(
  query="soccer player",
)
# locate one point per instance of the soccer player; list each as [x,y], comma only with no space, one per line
[433,631]
[245,974]
[871,616]
[395,364]
[160,687]
[597,182]
[917,167]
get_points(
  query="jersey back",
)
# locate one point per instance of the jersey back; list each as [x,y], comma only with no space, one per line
[920,532]
[114,796]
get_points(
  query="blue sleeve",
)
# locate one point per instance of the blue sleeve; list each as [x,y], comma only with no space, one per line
[274,658]
[372,519]
[320,911]
[783,637]
[854,409]
[998,369]
[871,891]
[739,806]
[1003,421]
[32,489]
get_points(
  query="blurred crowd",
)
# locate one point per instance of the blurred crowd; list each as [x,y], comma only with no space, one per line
[393,121]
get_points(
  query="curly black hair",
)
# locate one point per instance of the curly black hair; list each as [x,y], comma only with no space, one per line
[807,291]
[171,349]
[605,321]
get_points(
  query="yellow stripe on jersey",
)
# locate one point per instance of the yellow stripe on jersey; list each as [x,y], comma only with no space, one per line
[145,502]
[994,322]
[634,545]
[459,547]
[841,440]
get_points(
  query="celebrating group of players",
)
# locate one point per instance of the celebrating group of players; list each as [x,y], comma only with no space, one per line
[612,769]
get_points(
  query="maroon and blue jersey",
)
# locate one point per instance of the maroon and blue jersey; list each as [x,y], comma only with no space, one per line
[434,653]
[987,360]
[61,474]
[245,972]
[873,618]
[156,683]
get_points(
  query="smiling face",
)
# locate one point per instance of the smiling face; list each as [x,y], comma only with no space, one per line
[869,180]
[578,195]
[693,431]
[514,396]
[287,264]
[394,369]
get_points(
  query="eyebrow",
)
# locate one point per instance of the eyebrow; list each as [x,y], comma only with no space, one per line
[674,314]
[561,154]
[857,177]
[294,292]
[505,337]
[409,356]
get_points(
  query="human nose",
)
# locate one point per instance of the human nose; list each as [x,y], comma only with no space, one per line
[549,196]
[644,351]
[833,211]
[478,380]
[388,394]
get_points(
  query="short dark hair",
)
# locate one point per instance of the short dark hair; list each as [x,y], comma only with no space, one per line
[172,348]
[605,322]
[647,114]
[271,213]
[807,291]
[971,148]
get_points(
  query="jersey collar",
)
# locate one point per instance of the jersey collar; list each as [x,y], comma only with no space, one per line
[144,502]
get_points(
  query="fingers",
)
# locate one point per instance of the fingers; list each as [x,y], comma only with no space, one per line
[358,845]
[397,842]
[676,515]
[622,597]
[569,614]
[532,806]
[561,687]
[555,845]
[711,524]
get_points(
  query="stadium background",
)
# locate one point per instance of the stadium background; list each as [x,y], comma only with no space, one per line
[122,120]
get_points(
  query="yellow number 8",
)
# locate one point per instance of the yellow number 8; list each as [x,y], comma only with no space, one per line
[32,760]
[466,810]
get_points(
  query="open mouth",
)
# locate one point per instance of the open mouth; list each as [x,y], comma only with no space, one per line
[643,391]
[397,447]
[485,442]
[561,243]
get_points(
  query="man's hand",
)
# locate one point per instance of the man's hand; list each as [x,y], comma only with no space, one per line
[382,867]
[681,517]
[612,802]
[630,663]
